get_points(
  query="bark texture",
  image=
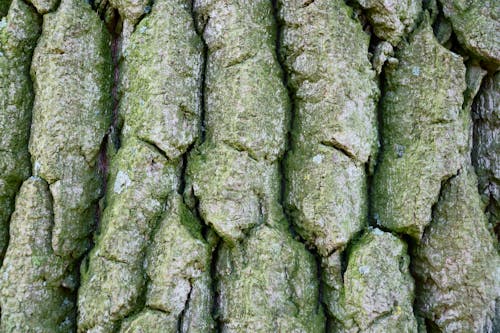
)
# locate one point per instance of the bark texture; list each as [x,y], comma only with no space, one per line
[249,166]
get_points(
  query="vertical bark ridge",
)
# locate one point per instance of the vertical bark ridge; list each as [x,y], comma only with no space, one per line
[20,30]
[153,274]
[235,177]
[64,163]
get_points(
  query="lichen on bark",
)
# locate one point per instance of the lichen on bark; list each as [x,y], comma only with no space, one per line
[152,274]
[178,270]
[165,112]
[19,31]
[45,6]
[245,132]
[71,114]
[456,264]
[214,165]
[333,135]
[423,135]
[477,26]
[246,102]
[139,184]
[37,286]
[234,178]
[266,284]
[70,70]
[392,19]
[376,291]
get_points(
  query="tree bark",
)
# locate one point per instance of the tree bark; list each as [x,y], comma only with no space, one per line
[249,166]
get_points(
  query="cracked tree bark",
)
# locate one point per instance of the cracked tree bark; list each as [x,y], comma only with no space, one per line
[249,166]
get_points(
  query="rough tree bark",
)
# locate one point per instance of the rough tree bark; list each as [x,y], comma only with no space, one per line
[249,166]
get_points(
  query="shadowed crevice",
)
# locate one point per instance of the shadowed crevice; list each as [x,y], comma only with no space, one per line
[207,232]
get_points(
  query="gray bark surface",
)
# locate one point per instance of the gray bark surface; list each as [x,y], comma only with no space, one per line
[249,166]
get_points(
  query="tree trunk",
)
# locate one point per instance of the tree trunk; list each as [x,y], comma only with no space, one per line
[249,166]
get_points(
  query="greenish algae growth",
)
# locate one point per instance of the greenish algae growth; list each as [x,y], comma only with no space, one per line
[268,284]
[152,275]
[234,172]
[131,11]
[246,102]
[45,6]
[154,266]
[112,281]
[36,285]
[71,114]
[334,135]
[375,294]
[326,196]
[19,31]
[477,26]
[234,190]
[151,321]
[161,76]
[423,131]
[265,280]
[383,53]
[456,265]
[178,268]
[392,19]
